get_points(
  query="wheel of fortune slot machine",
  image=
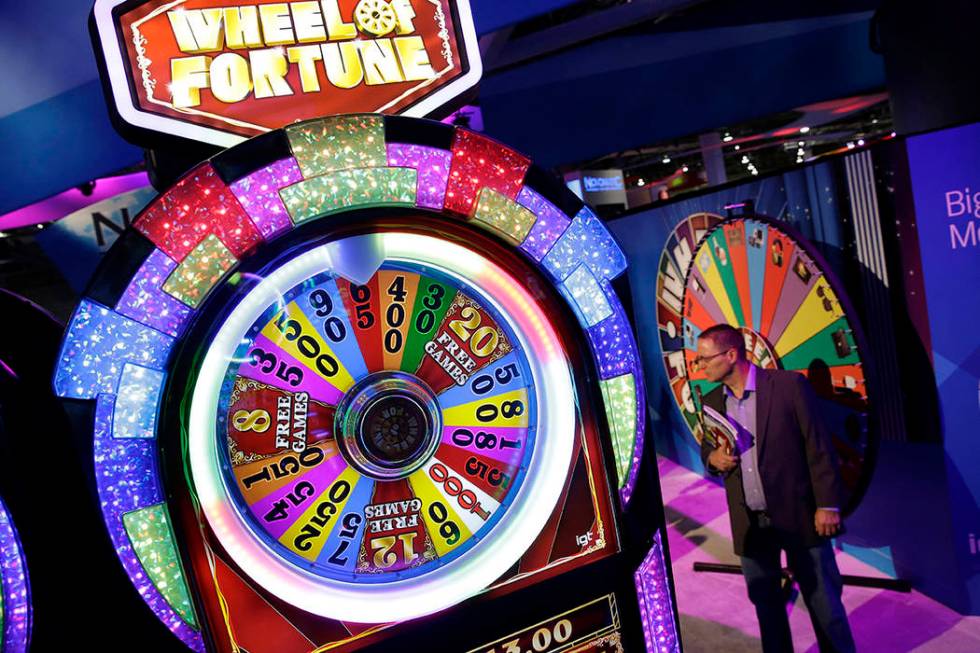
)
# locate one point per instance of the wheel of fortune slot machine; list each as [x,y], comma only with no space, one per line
[363,383]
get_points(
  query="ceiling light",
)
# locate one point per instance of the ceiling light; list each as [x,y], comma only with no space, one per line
[804,129]
[728,138]
[666,159]
[850,145]
[737,148]
[861,142]
[684,169]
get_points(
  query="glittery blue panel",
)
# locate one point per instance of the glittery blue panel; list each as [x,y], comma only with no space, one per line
[569,252]
[146,302]
[98,343]
[137,402]
[588,296]
[612,342]
[126,478]
[550,225]
[586,241]
[606,258]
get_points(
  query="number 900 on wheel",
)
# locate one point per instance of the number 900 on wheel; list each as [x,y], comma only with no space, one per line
[352,373]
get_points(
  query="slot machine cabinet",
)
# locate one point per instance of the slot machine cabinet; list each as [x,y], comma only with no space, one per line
[364,383]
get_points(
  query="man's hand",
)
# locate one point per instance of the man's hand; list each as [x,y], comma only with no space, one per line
[827,522]
[722,460]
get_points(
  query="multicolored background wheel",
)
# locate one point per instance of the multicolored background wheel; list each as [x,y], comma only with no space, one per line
[757,275]
[273,318]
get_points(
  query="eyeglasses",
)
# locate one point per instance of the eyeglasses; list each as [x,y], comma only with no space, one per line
[701,361]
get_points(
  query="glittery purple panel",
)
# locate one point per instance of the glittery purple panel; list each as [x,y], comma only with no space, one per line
[551,223]
[97,345]
[626,492]
[656,606]
[145,302]
[258,194]
[616,353]
[16,589]
[126,477]
[432,165]
[612,342]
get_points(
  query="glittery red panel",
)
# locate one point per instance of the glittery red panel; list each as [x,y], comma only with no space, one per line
[198,205]
[480,162]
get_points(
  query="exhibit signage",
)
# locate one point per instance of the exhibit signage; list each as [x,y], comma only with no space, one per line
[945,168]
[221,71]
[599,187]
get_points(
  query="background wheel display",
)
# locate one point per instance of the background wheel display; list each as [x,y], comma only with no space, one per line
[756,275]
[675,261]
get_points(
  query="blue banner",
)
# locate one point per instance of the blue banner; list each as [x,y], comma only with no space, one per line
[945,168]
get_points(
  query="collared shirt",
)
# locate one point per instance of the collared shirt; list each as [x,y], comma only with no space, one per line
[742,412]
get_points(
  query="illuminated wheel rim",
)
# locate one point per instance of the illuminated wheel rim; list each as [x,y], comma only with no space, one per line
[312,553]
[755,275]
[135,343]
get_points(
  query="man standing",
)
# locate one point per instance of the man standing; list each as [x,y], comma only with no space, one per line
[783,488]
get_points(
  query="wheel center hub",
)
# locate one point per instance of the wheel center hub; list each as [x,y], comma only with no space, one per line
[387,425]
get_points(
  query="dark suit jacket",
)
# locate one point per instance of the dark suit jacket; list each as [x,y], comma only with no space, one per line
[797,462]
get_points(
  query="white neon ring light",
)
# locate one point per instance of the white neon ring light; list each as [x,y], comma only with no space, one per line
[495,553]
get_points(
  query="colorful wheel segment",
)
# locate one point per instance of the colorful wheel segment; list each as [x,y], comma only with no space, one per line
[357,326]
[754,275]
[376,431]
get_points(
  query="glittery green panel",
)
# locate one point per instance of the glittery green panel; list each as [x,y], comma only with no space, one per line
[619,394]
[200,271]
[345,189]
[153,543]
[338,143]
[503,216]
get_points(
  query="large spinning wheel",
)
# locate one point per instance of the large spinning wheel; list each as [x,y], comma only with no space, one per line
[381,437]
[345,351]
[756,275]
